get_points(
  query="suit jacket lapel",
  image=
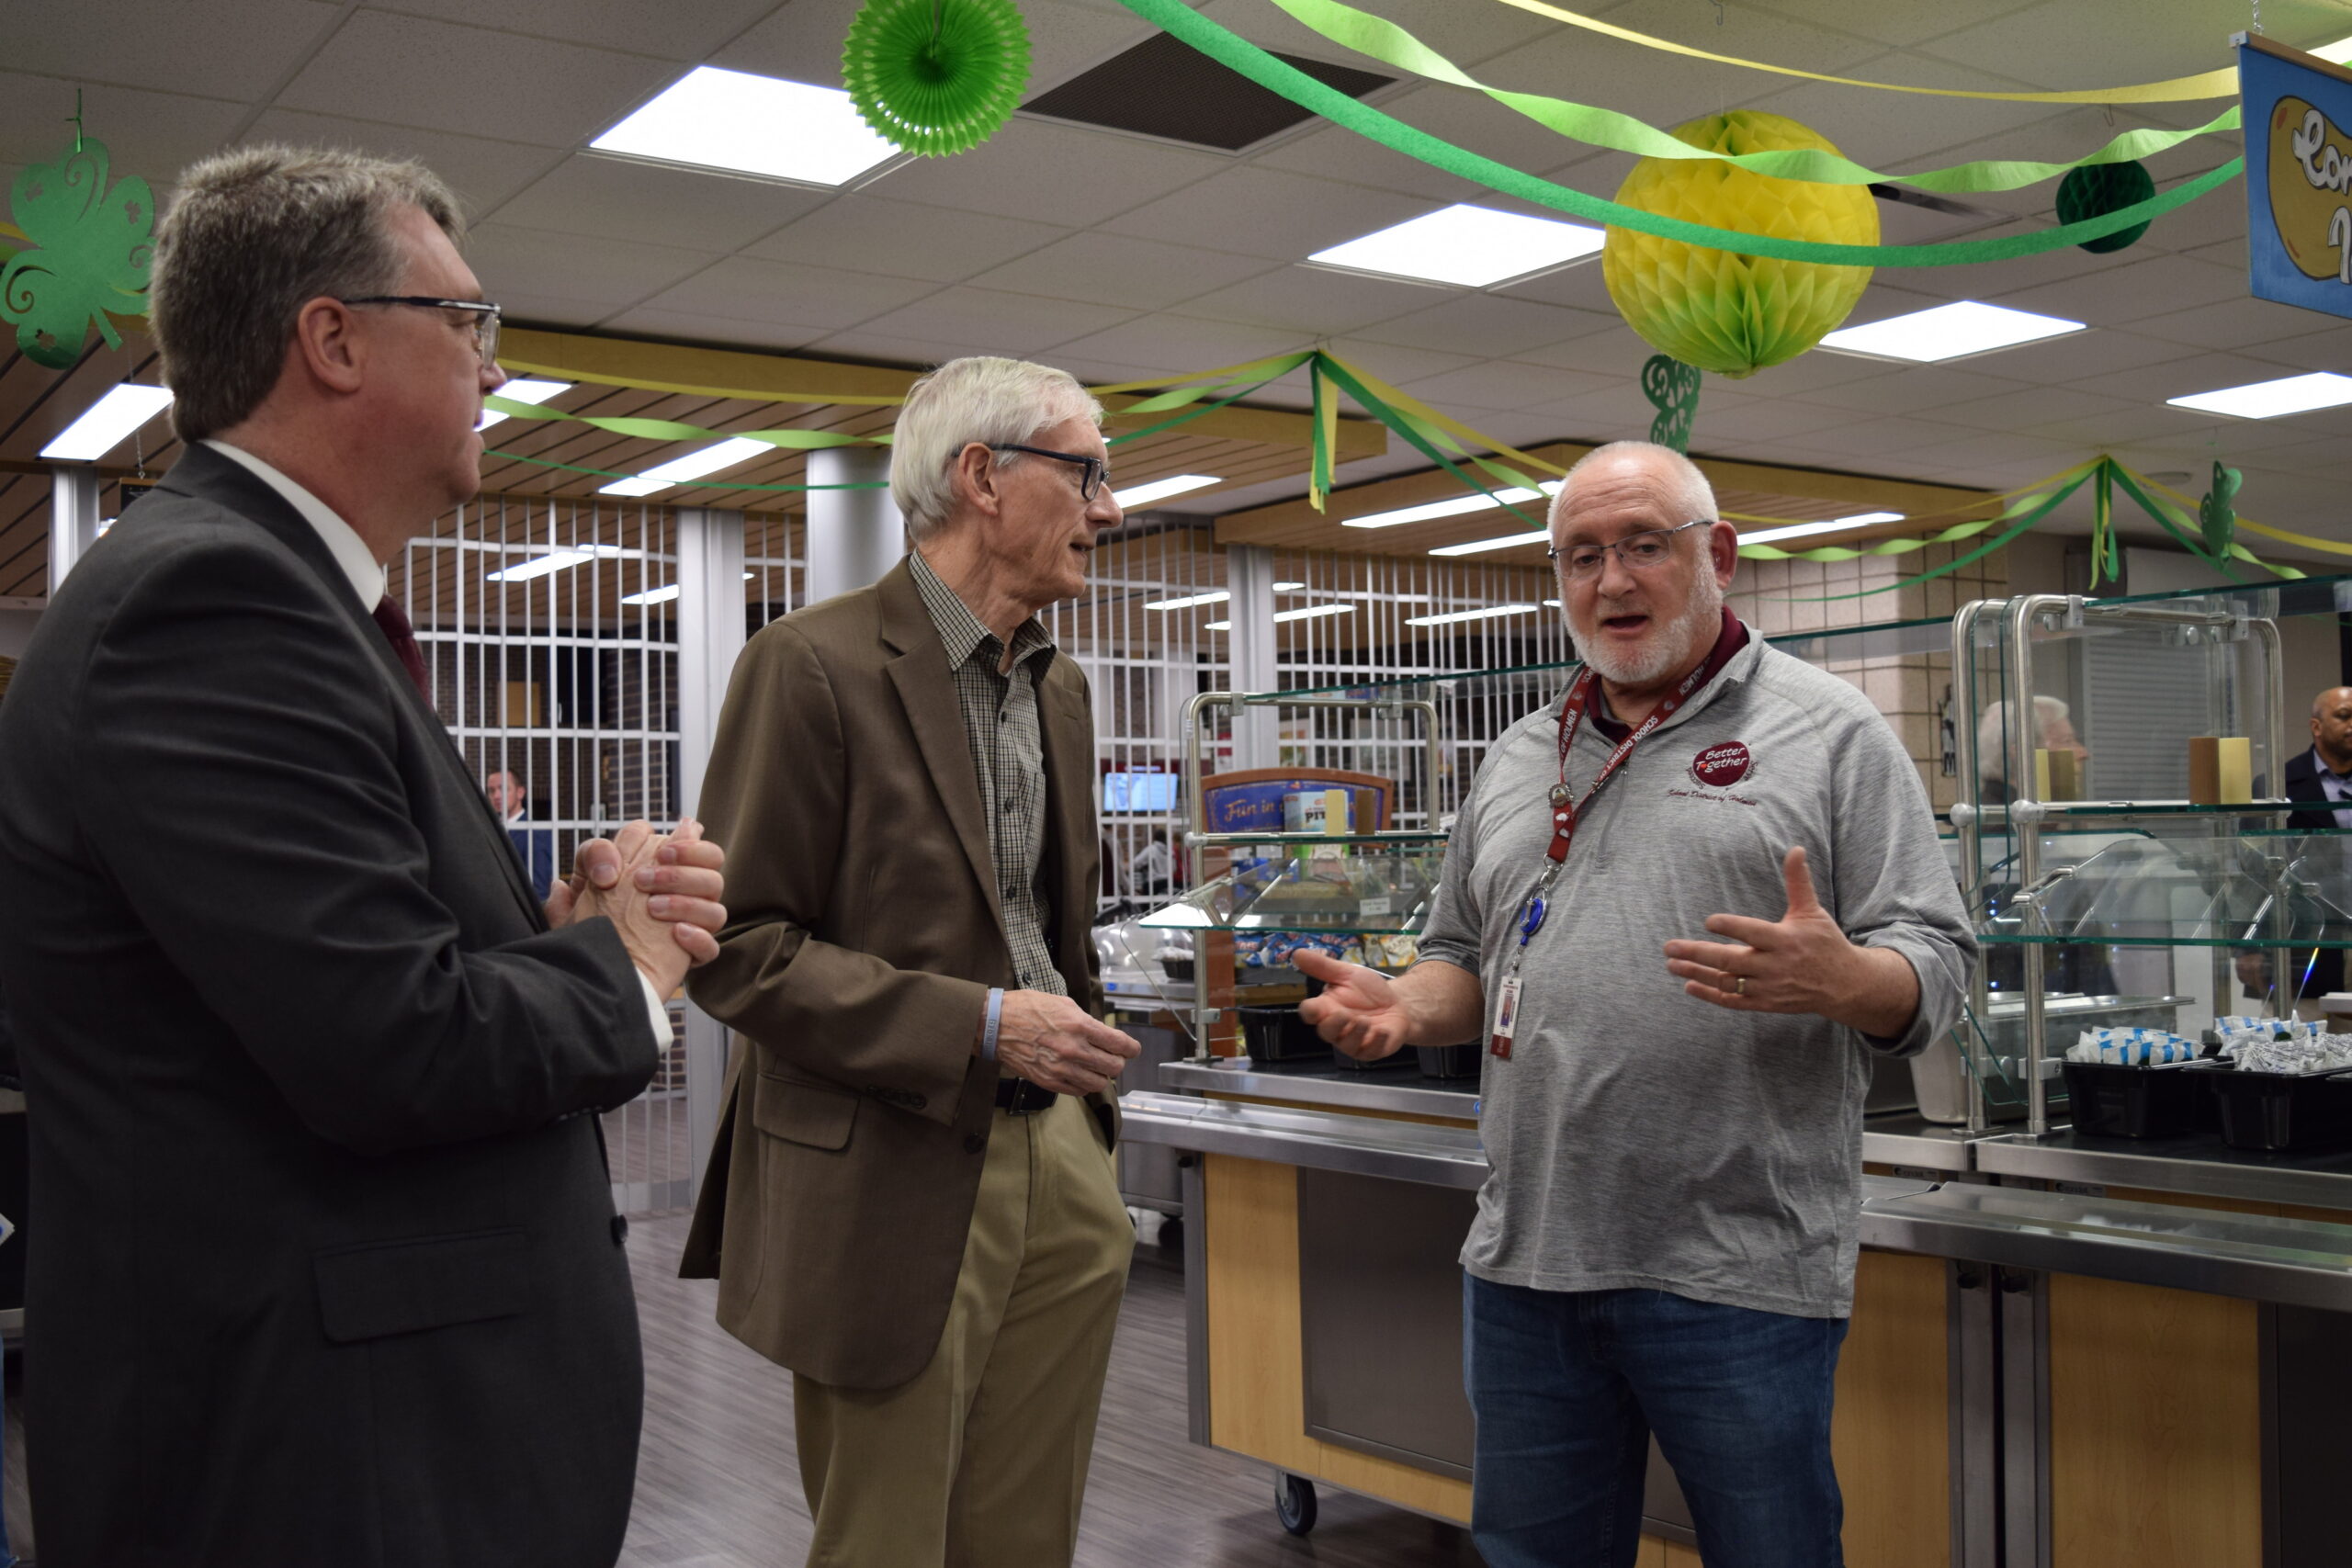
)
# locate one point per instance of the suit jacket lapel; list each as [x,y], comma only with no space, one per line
[208,476]
[927,690]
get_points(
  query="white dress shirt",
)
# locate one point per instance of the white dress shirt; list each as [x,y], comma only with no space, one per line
[366,574]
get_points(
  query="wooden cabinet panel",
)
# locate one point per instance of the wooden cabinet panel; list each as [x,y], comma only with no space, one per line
[1891,1437]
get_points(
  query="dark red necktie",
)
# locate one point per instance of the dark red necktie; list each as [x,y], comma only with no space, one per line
[402,637]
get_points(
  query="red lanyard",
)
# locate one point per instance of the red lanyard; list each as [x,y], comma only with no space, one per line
[1566,807]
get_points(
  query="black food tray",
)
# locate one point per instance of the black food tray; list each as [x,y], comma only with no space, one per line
[2270,1112]
[2113,1100]
[1279,1034]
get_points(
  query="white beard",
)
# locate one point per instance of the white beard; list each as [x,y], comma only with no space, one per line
[1667,648]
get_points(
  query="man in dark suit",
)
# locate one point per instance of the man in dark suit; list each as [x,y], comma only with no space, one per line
[912,1202]
[2322,774]
[534,846]
[324,1268]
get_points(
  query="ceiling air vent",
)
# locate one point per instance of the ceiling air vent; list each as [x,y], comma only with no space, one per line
[1167,89]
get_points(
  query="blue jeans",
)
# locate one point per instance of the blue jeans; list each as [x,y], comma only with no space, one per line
[1567,1387]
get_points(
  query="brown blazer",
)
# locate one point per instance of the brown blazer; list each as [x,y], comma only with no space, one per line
[864,933]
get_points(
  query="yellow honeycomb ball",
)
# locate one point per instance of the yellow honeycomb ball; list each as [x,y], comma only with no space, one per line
[1733,314]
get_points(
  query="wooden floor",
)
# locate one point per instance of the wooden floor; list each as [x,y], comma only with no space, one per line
[718,1487]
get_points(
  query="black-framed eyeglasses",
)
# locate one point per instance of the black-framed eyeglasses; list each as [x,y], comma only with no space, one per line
[1641,552]
[1089,483]
[485,316]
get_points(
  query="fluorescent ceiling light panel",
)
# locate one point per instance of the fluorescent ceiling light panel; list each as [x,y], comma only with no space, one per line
[660,596]
[1948,332]
[553,562]
[1472,246]
[1289,587]
[1311,612]
[1475,545]
[1160,489]
[1453,506]
[2336,53]
[522,390]
[692,466]
[109,422]
[2270,400]
[1488,614]
[1800,530]
[752,125]
[1194,600]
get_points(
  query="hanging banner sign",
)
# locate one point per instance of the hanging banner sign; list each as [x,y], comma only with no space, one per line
[2298,117]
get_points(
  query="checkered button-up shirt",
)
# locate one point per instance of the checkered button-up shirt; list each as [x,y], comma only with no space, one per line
[1001,726]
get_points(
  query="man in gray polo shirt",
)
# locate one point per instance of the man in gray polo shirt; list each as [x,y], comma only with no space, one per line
[1683,907]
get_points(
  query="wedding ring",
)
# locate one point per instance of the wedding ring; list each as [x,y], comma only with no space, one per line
[1739,985]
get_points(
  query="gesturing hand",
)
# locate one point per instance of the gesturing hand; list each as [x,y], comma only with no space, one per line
[1056,1044]
[1359,1011]
[1796,964]
[1801,962]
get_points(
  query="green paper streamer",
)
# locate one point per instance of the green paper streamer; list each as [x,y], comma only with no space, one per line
[1239,54]
[1393,46]
[88,254]
[2034,515]
[1409,429]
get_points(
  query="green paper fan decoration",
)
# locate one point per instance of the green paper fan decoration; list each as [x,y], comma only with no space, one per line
[88,256]
[936,77]
[2097,189]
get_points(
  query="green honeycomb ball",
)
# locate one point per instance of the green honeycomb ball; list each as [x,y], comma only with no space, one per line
[1732,314]
[2097,189]
[936,77]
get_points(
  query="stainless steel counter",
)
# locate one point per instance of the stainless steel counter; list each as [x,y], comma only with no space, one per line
[1901,1137]
[2196,1164]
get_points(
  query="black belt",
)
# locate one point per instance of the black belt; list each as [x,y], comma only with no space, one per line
[1022,1098]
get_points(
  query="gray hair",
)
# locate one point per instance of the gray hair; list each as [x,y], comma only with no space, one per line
[981,398]
[1990,761]
[252,236]
[1690,486]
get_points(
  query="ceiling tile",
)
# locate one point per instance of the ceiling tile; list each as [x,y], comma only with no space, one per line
[2152,285]
[154,135]
[2055,47]
[718,331]
[1470,33]
[1913,388]
[1335,153]
[781,293]
[616,273]
[1110,269]
[1611,349]
[865,232]
[800,41]
[1067,39]
[228,51]
[2239,323]
[1394,364]
[1808,372]
[2079,357]
[1876,438]
[1895,25]
[995,322]
[1052,174]
[1483,324]
[1314,301]
[1760,419]
[1867,129]
[1580,285]
[482,173]
[528,307]
[2194,373]
[675,33]
[2034,407]
[615,198]
[1182,343]
[1264,212]
[1507,384]
[439,75]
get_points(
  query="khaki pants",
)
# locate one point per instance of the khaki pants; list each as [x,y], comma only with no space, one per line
[980,1460]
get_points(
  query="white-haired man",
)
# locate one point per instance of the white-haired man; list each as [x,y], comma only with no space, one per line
[1666,1239]
[912,1202]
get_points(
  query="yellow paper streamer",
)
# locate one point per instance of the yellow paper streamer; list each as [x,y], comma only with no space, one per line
[2220,83]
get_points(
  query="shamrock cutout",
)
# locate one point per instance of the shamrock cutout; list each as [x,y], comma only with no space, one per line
[2216,512]
[1672,389]
[89,254]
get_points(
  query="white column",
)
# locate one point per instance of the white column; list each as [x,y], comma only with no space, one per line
[710,633]
[855,536]
[73,517]
[1249,576]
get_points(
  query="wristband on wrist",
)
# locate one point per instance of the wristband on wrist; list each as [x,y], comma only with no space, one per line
[988,1029]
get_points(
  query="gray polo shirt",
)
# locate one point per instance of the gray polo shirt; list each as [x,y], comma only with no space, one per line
[1639,1137]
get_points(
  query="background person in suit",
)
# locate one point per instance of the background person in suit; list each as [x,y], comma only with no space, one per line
[535,847]
[323,1268]
[910,1200]
[2324,774]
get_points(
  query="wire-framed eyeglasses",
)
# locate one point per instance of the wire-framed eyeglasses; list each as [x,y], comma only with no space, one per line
[1089,483]
[485,316]
[1640,552]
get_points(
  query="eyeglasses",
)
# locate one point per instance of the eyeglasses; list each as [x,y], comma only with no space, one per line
[1641,552]
[1089,483]
[484,314]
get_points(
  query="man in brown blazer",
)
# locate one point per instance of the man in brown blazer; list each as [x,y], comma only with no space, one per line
[912,1202]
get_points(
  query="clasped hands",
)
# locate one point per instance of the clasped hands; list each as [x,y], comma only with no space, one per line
[661,892]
